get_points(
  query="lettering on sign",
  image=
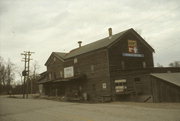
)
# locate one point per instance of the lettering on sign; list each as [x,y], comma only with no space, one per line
[68,72]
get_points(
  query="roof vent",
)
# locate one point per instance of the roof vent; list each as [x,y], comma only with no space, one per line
[110,33]
[79,42]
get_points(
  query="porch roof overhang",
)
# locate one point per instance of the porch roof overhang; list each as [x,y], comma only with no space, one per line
[81,76]
[45,81]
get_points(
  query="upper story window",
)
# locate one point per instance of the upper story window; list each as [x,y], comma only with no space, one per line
[50,76]
[94,87]
[75,60]
[92,68]
[144,64]
[54,59]
[122,65]
[61,74]
[54,75]
[78,70]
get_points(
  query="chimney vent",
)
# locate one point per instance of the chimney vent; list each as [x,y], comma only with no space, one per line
[110,33]
[79,42]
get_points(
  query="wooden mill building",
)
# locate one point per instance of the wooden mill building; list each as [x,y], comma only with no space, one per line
[118,67]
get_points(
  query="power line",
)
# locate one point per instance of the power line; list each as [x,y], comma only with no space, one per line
[26,71]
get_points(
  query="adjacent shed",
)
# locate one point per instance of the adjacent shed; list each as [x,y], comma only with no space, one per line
[165,87]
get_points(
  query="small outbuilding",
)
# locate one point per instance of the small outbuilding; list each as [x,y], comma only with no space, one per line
[165,87]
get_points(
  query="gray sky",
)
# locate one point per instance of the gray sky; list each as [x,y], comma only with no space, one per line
[44,26]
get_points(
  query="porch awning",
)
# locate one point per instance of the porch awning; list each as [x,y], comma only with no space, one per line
[82,76]
[44,81]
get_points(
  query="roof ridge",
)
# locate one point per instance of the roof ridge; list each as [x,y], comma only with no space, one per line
[107,37]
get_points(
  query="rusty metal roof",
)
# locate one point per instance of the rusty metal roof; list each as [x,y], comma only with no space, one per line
[173,78]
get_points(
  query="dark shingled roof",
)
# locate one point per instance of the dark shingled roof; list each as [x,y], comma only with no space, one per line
[60,55]
[102,43]
[94,46]
[173,78]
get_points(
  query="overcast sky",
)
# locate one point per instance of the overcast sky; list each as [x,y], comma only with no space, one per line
[44,26]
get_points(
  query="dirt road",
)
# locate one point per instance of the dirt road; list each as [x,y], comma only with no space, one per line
[12,109]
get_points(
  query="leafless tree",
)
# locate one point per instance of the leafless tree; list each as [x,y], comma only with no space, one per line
[33,77]
[10,73]
[3,72]
[175,64]
[6,74]
[159,65]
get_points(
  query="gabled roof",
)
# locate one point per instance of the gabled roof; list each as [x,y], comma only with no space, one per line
[59,55]
[95,45]
[173,78]
[102,43]
[99,44]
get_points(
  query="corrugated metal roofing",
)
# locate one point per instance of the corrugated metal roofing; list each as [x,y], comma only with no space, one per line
[173,78]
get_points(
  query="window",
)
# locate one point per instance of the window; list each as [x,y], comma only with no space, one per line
[54,59]
[78,70]
[75,60]
[54,75]
[144,64]
[61,74]
[92,68]
[94,87]
[137,80]
[50,76]
[122,65]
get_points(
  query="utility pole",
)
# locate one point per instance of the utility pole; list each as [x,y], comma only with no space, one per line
[26,71]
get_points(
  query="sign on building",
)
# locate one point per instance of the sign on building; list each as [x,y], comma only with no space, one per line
[104,85]
[68,72]
[132,46]
[120,85]
[132,55]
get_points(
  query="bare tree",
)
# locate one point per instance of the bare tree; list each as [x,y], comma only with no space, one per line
[159,65]
[175,64]
[33,77]
[3,72]
[6,74]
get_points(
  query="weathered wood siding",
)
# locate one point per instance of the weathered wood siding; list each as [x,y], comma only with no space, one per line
[164,91]
[118,64]
[95,66]
[116,58]
[54,67]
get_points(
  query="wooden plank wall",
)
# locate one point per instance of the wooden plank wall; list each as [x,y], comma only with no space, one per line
[164,91]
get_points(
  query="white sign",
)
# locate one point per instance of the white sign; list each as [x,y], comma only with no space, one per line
[133,55]
[104,85]
[68,72]
[120,81]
